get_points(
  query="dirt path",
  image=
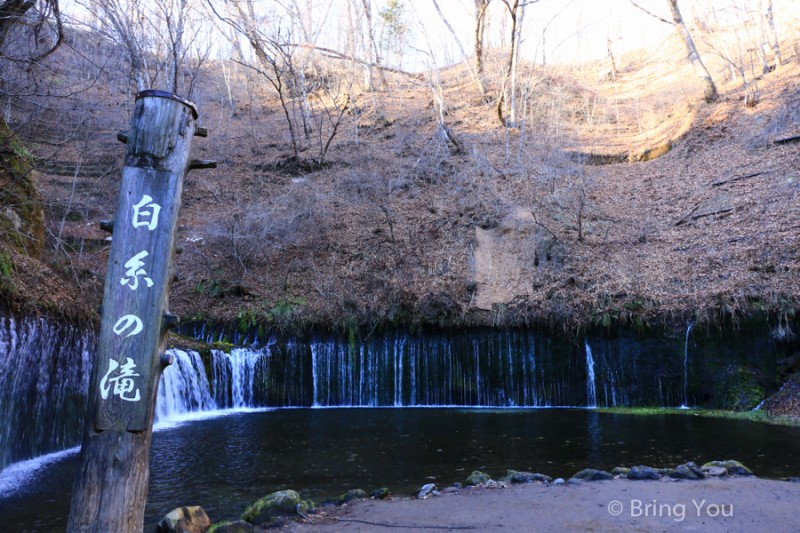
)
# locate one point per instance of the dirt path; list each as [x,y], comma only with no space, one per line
[715,505]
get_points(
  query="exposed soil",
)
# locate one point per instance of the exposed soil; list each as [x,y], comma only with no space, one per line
[713,505]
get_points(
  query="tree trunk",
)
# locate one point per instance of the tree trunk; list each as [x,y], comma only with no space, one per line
[709,88]
[110,488]
[480,30]
[773,38]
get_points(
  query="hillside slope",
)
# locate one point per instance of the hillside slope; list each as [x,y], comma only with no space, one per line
[398,225]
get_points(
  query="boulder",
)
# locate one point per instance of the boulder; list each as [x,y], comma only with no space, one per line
[734,468]
[239,526]
[353,494]
[271,507]
[184,520]
[620,471]
[643,472]
[590,474]
[477,478]
[559,481]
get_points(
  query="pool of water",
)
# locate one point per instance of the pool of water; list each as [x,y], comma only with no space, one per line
[225,463]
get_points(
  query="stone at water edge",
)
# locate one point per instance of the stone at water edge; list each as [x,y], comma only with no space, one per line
[426,490]
[620,471]
[353,494]
[642,472]
[559,481]
[734,468]
[715,471]
[591,474]
[380,494]
[191,519]
[273,506]
[529,477]
[477,478]
[686,471]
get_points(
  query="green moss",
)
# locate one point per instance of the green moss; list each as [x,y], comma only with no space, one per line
[270,507]
[753,416]
[741,390]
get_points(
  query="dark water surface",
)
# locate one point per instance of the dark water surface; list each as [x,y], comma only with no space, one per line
[226,463]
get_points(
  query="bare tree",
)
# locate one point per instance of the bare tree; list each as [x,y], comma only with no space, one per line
[507,103]
[476,77]
[709,88]
[13,12]
[772,38]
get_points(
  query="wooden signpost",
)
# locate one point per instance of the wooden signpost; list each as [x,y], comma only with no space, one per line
[111,486]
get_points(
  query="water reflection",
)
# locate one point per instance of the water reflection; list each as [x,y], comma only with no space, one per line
[226,463]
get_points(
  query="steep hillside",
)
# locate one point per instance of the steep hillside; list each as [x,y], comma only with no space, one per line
[426,211]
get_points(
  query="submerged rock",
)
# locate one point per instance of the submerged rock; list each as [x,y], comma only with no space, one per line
[239,526]
[734,468]
[591,474]
[478,478]
[642,472]
[271,507]
[184,520]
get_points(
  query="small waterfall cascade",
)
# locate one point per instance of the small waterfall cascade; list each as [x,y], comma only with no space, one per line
[685,404]
[45,368]
[591,391]
[185,386]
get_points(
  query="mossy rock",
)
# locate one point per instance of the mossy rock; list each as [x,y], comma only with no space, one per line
[380,494]
[620,471]
[22,223]
[271,507]
[741,390]
[353,494]
[734,468]
[478,478]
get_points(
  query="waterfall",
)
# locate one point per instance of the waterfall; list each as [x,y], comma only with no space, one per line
[45,369]
[591,393]
[185,388]
[685,404]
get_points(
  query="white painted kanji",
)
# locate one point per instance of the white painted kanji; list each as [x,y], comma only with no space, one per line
[131,323]
[134,270]
[145,213]
[121,385]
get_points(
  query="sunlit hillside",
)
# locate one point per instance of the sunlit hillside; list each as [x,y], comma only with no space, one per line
[614,196]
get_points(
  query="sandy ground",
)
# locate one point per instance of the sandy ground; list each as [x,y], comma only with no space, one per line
[715,505]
